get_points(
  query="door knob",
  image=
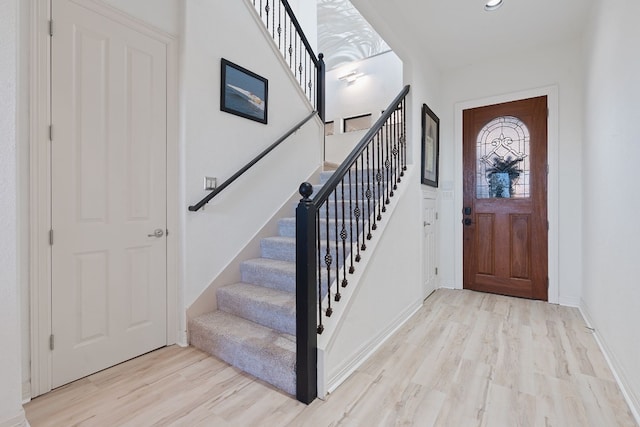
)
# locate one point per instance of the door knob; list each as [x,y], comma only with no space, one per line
[467,221]
[158,232]
[426,223]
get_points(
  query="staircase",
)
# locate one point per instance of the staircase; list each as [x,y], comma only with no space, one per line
[255,324]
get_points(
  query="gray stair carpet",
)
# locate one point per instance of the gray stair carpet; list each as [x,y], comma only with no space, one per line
[255,324]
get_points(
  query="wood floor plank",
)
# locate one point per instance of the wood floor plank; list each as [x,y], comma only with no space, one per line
[465,359]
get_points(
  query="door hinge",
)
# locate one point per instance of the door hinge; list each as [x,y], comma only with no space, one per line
[51,28]
[436,271]
[51,237]
[436,216]
[547,284]
[50,132]
[547,225]
[51,342]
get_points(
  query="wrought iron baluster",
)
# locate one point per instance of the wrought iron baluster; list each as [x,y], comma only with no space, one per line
[356,212]
[266,13]
[380,200]
[343,236]
[336,239]
[404,134]
[399,145]
[396,178]
[294,64]
[372,188]
[300,62]
[309,80]
[367,192]
[386,165]
[290,43]
[306,69]
[280,26]
[363,247]
[260,8]
[352,269]
[319,282]
[328,260]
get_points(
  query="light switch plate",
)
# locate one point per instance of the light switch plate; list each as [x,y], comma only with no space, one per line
[210,183]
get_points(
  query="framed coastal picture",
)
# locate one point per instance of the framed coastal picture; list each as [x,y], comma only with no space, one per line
[243,92]
[430,146]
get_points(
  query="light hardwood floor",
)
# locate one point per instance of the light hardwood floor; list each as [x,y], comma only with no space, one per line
[465,359]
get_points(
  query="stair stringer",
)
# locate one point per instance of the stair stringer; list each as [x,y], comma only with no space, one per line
[375,304]
[207,301]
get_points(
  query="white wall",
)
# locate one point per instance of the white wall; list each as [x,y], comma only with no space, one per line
[559,65]
[11,412]
[372,93]
[217,144]
[162,14]
[611,269]
[307,15]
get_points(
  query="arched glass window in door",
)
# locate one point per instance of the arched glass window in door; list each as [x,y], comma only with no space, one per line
[502,159]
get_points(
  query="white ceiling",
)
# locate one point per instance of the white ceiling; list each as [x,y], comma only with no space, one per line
[455,33]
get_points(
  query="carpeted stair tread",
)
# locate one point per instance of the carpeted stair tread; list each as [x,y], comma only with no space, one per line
[271,273]
[287,227]
[257,350]
[266,306]
[279,247]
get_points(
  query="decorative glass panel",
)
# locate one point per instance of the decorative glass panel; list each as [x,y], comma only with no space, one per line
[502,165]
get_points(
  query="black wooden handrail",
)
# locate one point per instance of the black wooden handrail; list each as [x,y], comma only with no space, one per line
[221,187]
[340,172]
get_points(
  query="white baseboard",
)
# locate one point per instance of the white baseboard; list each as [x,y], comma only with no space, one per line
[17,421]
[182,340]
[26,392]
[349,366]
[569,301]
[616,369]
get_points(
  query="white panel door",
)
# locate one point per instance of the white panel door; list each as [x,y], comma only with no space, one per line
[429,246]
[108,184]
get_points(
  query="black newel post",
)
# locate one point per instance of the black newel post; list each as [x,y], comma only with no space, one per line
[306,300]
[321,87]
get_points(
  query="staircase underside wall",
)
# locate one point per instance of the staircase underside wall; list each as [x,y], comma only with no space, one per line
[207,301]
[387,294]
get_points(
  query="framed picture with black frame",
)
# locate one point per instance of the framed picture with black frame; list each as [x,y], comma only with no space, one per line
[430,146]
[243,92]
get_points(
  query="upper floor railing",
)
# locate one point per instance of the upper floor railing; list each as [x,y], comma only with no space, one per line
[290,40]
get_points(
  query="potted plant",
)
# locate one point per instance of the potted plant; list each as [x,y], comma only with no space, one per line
[502,175]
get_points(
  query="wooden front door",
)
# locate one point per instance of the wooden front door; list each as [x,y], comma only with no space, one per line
[505,198]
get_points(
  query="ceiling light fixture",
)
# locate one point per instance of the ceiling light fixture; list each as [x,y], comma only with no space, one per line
[492,5]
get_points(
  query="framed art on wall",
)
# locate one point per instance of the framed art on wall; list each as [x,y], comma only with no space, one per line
[243,92]
[430,146]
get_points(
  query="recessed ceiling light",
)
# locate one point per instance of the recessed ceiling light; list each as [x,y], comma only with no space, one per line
[492,5]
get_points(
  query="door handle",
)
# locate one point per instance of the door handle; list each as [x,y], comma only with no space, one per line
[426,223]
[158,232]
[467,221]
